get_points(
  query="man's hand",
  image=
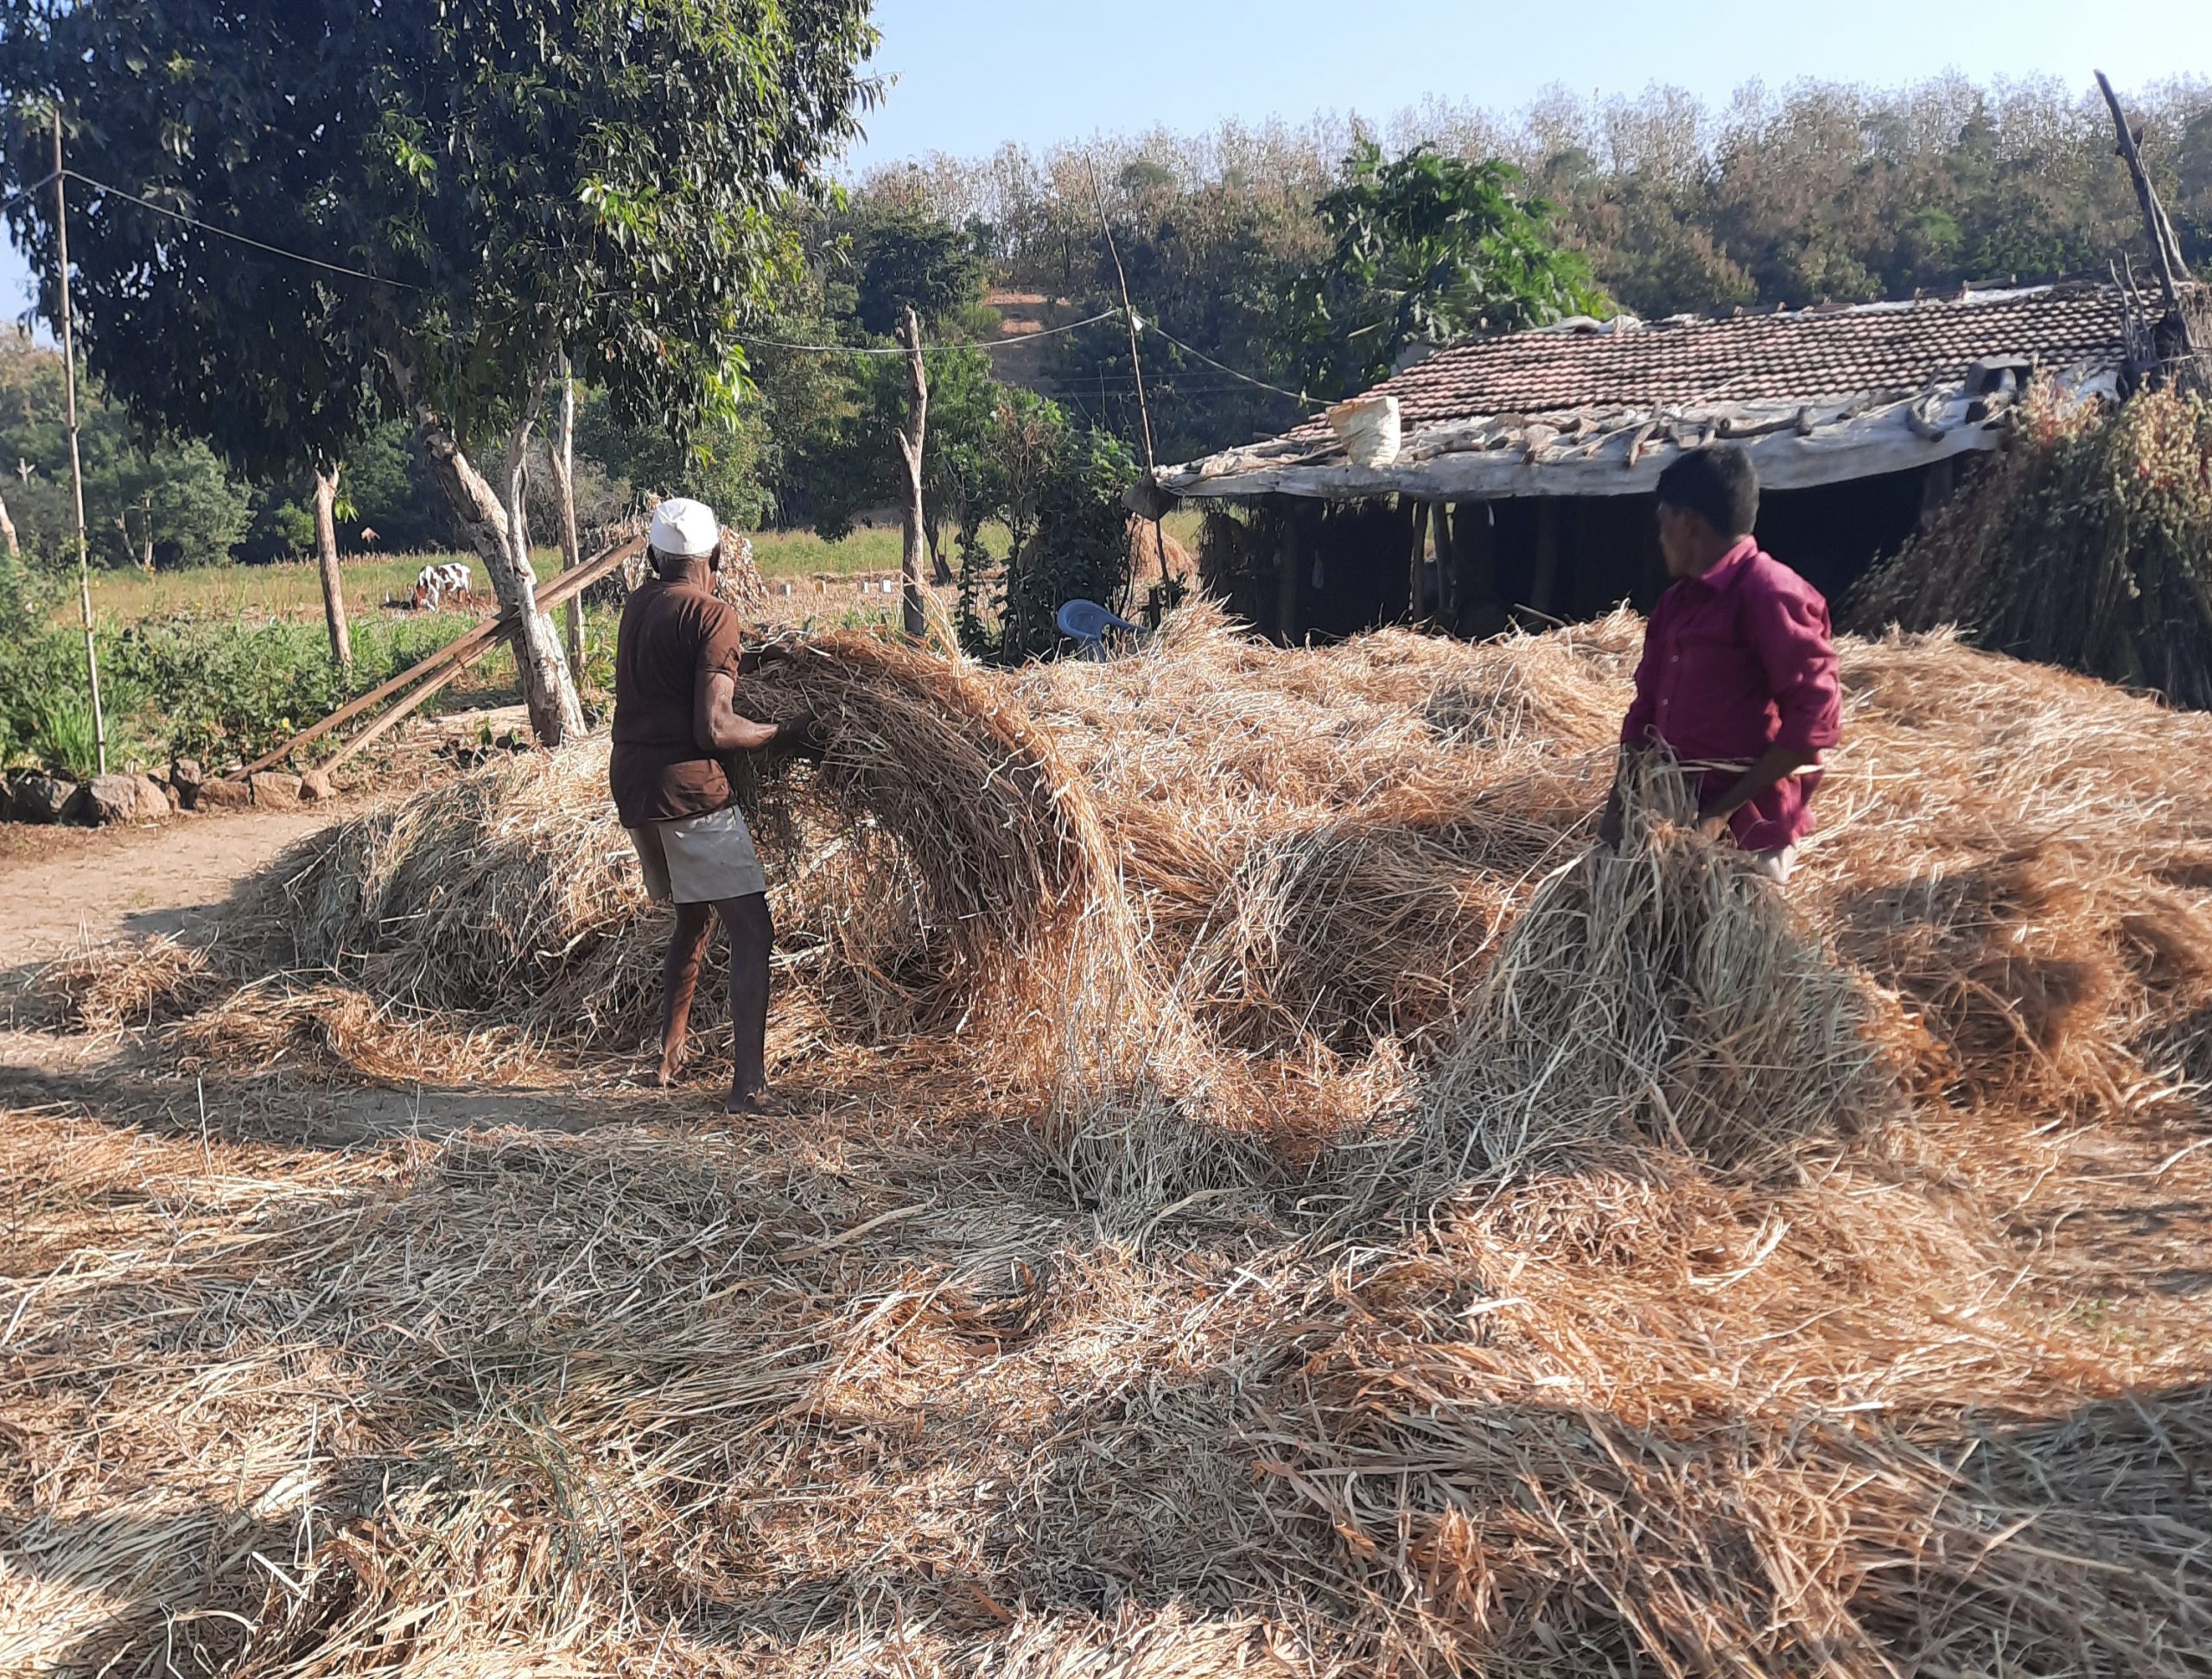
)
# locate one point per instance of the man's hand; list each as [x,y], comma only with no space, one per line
[801,736]
[1772,765]
[1611,824]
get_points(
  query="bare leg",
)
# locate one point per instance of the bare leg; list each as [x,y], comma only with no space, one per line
[679,984]
[752,935]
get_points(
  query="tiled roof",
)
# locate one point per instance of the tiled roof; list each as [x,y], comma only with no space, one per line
[1758,358]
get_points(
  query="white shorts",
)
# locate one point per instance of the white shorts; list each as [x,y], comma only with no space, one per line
[699,860]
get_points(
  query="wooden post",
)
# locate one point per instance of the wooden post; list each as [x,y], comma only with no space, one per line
[1448,569]
[1936,486]
[1290,587]
[2164,248]
[1474,545]
[325,560]
[915,550]
[1416,566]
[76,460]
[564,486]
[1544,581]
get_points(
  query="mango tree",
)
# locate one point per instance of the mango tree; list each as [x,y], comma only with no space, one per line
[462,191]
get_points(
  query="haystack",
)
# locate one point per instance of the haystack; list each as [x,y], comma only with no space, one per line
[1766,1282]
[2087,545]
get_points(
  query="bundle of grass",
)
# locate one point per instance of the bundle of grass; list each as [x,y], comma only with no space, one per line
[2087,545]
[1661,997]
[1002,839]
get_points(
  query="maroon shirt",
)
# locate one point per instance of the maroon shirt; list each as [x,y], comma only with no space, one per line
[1734,661]
[670,633]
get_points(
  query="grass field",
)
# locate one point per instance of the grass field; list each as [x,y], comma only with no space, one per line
[292,589]
[223,661]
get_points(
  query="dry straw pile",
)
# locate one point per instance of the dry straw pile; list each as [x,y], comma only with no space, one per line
[1315,1218]
[2088,543]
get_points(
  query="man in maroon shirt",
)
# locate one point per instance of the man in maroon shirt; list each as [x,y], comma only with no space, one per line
[676,719]
[1738,676]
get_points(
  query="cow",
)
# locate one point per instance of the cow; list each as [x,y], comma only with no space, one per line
[434,585]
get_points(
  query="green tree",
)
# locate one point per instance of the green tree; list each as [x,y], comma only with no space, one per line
[912,261]
[850,463]
[1428,248]
[141,492]
[522,177]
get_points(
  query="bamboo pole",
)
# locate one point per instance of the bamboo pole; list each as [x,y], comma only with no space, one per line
[76,461]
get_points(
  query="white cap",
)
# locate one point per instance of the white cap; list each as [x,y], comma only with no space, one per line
[685,530]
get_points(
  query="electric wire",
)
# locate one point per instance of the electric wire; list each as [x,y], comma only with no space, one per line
[225,233]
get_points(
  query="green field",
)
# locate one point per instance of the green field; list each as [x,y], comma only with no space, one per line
[293,590]
[222,662]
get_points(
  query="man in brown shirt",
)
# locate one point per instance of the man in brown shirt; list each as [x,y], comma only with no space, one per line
[676,718]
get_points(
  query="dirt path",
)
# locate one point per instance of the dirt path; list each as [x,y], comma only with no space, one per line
[62,887]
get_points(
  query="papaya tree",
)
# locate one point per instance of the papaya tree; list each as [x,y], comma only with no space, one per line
[462,191]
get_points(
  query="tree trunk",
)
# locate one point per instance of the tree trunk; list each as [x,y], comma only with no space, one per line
[940,564]
[8,534]
[563,456]
[915,549]
[561,716]
[548,688]
[326,559]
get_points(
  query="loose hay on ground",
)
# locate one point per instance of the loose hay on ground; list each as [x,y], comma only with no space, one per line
[1712,1361]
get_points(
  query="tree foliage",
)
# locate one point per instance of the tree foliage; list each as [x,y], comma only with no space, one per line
[518,174]
[141,492]
[910,261]
[1428,248]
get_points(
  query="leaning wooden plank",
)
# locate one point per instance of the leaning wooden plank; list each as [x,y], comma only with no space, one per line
[458,654]
[412,702]
[476,641]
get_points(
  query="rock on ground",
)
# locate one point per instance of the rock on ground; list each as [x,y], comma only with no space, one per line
[275,789]
[124,798]
[41,798]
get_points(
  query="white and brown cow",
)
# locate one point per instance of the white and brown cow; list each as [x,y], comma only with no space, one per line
[438,585]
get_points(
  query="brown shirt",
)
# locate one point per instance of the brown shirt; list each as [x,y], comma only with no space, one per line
[671,634]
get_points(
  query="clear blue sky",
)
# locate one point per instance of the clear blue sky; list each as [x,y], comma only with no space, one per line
[972,74]
[975,72]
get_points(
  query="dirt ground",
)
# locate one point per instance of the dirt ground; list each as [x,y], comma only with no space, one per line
[62,888]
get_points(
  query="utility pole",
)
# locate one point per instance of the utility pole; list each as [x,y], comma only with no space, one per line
[76,461]
[1136,371]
